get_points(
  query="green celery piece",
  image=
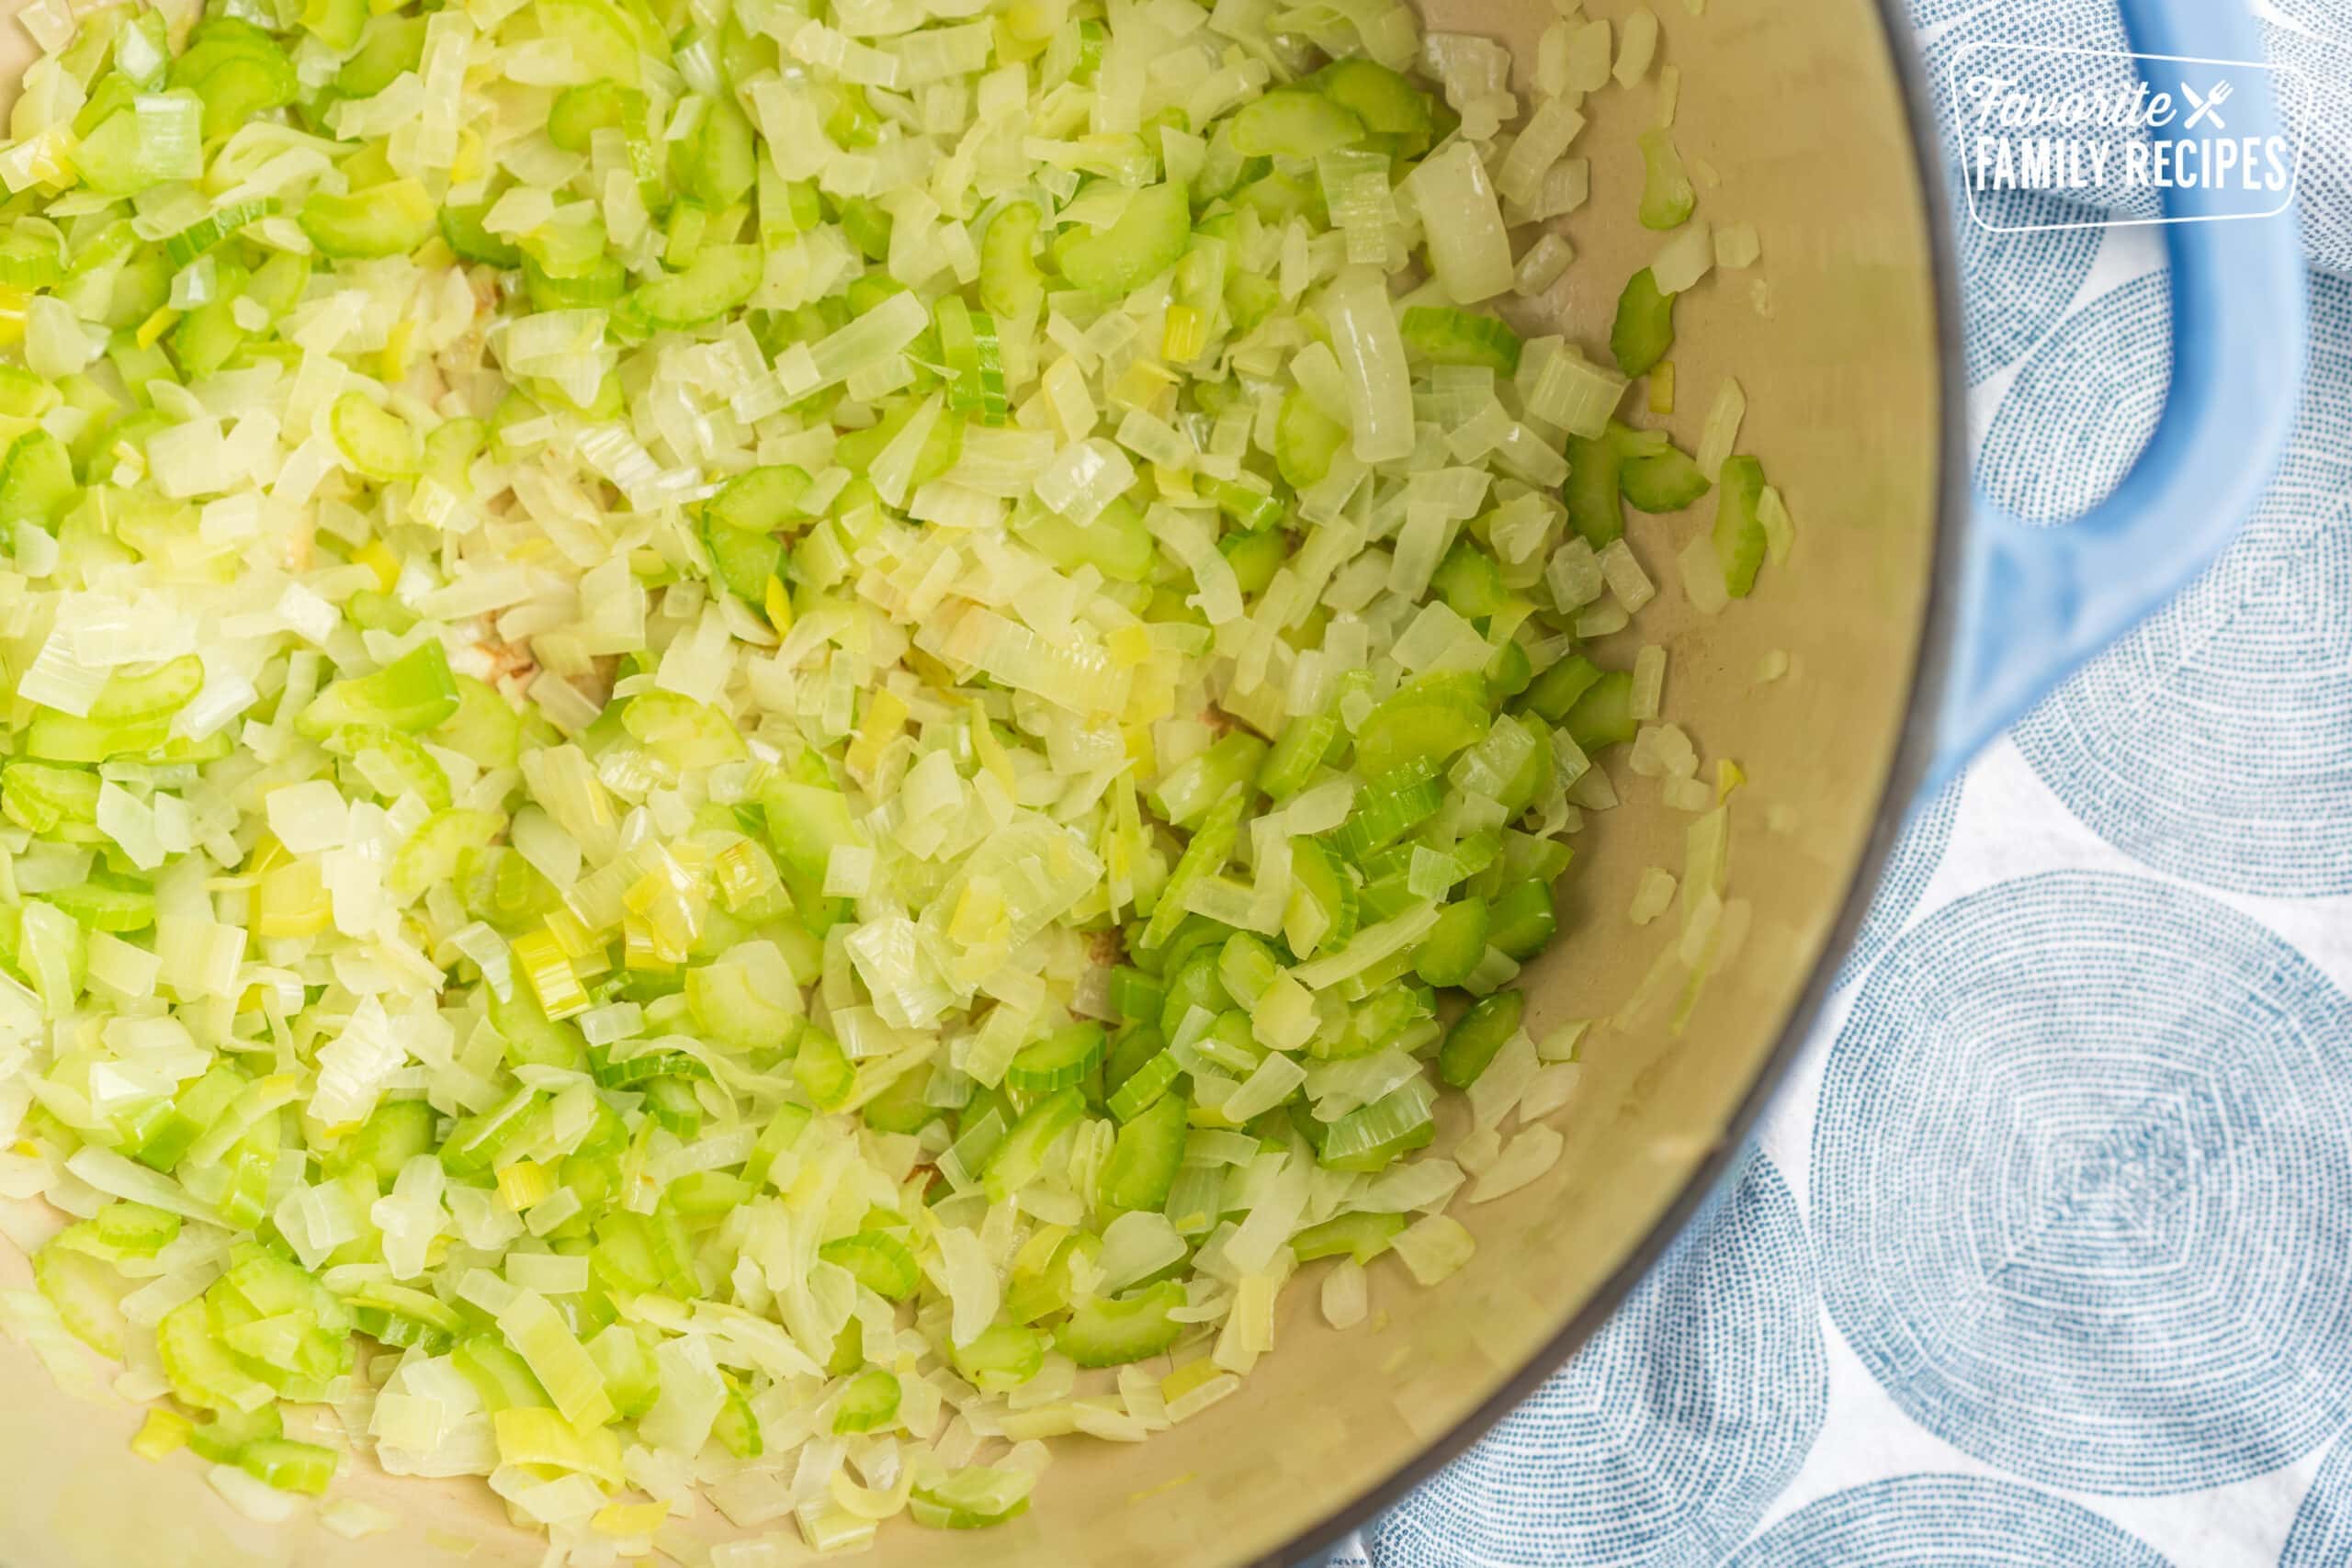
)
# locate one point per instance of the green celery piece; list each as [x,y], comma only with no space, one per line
[1555,690]
[1644,330]
[379,443]
[1148,239]
[36,484]
[1117,543]
[390,44]
[1003,1355]
[1593,489]
[412,693]
[760,501]
[878,1260]
[1454,945]
[1146,1155]
[719,279]
[1306,440]
[1667,482]
[1667,195]
[1433,718]
[1471,1044]
[462,229]
[1445,335]
[1058,1061]
[1295,123]
[579,112]
[871,1400]
[1523,919]
[1738,531]
[1363,1237]
[1603,716]
[1102,1332]
[389,219]
[1011,287]
[726,159]
[1387,103]
[1021,1158]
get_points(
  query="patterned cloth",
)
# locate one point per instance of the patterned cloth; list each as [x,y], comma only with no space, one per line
[2043,1257]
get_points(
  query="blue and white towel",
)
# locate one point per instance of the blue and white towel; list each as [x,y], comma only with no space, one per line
[2043,1255]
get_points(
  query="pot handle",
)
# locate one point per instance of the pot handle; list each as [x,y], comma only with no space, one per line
[2037,603]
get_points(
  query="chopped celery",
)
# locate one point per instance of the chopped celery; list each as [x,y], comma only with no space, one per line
[1555,690]
[1443,335]
[1146,1155]
[877,1260]
[1667,195]
[1011,285]
[1387,103]
[1306,440]
[1429,720]
[1644,325]
[1523,919]
[1060,1060]
[1739,535]
[36,482]
[1363,1237]
[389,219]
[413,693]
[1470,580]
[227,1433]
[462,230]
[1003,1355]
[1392,805]
[1021,1158]
[1593,488]
[1106,1332]
[391,44]
[1454,945]
[579,112]
[870,1401]
[379,443]
[760,501]
[825,1070]
[972,1498]
[1477,1035]
[720,278]
[1293,123]
[1117,543]
[1185,795]
[1666,482]
[1142,1088]
[1603,716]
[737,1428]
[1145,242]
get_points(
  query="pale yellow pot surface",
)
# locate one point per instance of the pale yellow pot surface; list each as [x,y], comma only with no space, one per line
[1799,111]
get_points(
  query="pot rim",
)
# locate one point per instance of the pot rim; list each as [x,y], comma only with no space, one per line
[1931,674]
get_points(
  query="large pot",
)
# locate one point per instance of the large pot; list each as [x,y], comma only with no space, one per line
[1913,634]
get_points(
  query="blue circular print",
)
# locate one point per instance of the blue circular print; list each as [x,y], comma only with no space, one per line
[2013,284]
[2322,1537]
[2045,48]
[2082,1185]
[1945,1521]
[1918,853]
[2215,742]
[1667,1438]
[2078,414]
[2314,39]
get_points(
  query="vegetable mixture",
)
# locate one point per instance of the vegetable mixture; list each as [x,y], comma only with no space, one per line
[769,746]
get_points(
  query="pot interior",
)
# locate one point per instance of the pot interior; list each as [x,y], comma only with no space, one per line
[1793,119]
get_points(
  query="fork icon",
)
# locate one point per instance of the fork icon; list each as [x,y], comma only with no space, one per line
[2207,107]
